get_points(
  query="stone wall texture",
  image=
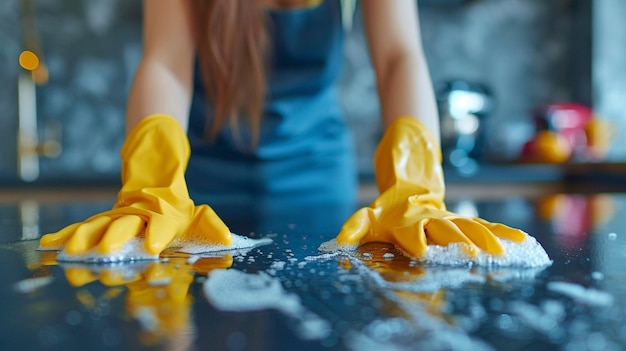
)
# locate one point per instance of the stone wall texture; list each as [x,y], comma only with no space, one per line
[520,49]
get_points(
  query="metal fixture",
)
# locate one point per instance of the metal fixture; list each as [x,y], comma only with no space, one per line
[348,9]
[29,215]
[462,108]
[34,72]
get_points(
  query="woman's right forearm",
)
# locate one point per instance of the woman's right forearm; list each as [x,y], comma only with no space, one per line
[158,89]
[163,81]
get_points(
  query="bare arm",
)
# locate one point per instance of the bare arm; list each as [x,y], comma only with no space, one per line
[163,82]
[403,81]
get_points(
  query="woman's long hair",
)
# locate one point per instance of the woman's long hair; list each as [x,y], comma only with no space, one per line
[232,40]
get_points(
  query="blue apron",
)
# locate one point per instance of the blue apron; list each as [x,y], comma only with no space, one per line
[305,153]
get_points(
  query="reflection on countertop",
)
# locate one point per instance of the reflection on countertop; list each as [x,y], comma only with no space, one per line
[286,295]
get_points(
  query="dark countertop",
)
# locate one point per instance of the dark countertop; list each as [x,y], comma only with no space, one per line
[318,302]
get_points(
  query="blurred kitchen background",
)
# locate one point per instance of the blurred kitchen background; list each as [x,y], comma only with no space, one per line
[528,89]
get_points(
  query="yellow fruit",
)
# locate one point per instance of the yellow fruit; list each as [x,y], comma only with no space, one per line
[551,147]
[599,136]
[548,206]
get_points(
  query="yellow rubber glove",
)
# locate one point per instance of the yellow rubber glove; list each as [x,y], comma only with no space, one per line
[410,212]
[157,292]
[154,201]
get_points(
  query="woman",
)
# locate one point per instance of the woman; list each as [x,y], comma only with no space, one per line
[273,129]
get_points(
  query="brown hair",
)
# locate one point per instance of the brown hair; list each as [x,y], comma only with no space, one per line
[232,45]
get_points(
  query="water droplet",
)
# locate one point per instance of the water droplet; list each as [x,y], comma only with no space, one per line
[349,300]
[73,317]
[111,337]
[236,341]
[596,341]
[597,275]
[504,322]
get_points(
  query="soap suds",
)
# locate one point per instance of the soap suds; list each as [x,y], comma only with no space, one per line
[134,250]
[540,319]
[240,245]
[442,268]
[445,277]
[124,271]
[278,265]
[31,284]
[581,294]
[434,337]
[193,259]
[236,291]
[388,256]
[147,318]
[528,254]
[419,328]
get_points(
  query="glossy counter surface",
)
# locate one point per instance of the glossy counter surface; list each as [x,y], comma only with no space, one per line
[286,296]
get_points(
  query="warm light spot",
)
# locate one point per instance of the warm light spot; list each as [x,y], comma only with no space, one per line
[28,60]
[40,74]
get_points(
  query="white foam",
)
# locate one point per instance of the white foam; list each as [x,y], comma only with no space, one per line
[240,245]
[436,336]
[446,267]
[435,278]
[581,294]
[134,250]
[193,259]
[126,271]
[416,330]
[323,257]
[278,265]
[534,316]
[147,318]
[31,284]
[528,254]
[236,291]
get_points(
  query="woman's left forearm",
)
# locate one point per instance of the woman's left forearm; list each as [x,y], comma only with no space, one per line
[405,89]
[402,76]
